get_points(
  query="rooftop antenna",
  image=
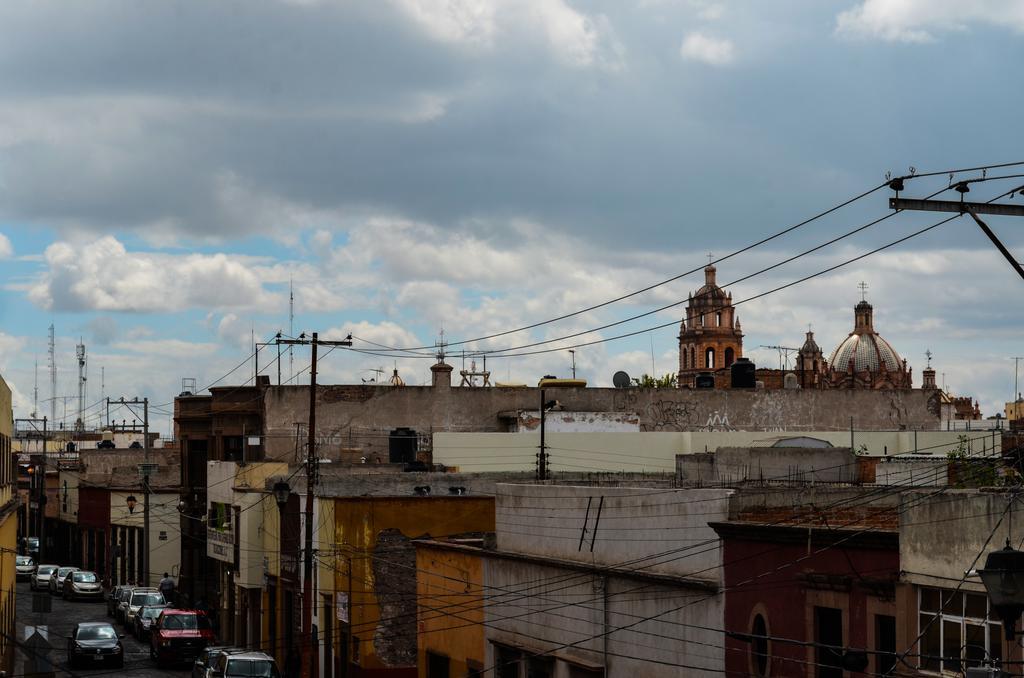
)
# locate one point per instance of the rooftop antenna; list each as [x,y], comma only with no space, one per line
[441,345]
[80,355]
[53,378]
[103,382]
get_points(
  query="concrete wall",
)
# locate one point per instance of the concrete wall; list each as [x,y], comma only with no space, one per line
[363,416]
[656,452]
[534,615]
[941,535]
[635,523]
[912,472]
[796,464]
[578,422]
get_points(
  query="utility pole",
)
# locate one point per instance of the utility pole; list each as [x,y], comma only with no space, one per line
[542,458]
[962,207]
[312,472]
[145,470]
[573,354]
[1016,364]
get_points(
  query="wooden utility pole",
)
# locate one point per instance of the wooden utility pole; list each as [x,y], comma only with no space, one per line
[312,474]
[542,458]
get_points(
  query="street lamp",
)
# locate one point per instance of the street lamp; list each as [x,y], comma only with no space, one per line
[131,501]
[281,492]
[1003,577]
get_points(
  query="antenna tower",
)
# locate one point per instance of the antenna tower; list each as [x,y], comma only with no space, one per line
[291,328]
[35,392]
[80,354]
[53,379]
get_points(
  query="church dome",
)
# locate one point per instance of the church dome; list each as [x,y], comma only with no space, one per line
[869,351]
[865,347]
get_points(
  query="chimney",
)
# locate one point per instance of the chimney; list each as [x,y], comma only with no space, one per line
[442,375]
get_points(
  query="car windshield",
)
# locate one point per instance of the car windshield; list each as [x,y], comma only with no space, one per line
[125,595]
[63,572]
[45,569]
[147,599]
[96,633]
[191,622]
[33,542]
[151,612]
[24,560]
[261,668]
[84,577]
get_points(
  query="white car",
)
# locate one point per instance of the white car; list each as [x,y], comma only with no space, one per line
[24,566]
[139,598]
[40,579]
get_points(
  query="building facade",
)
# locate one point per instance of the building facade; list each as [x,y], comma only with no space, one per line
[710,337]
[9,501]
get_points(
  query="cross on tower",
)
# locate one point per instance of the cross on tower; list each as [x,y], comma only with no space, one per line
[928,354]
[863,290]
[711,258]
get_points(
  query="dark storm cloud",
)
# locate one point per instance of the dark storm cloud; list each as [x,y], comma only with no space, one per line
[192,116]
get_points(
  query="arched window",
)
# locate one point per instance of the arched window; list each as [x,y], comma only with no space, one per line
[693,358]
[702,320]
[730,356]
[759,646]
[709,359]
[718,319]
[685,358]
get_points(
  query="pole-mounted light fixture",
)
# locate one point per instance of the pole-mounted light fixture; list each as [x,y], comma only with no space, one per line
[131,501]
[281,492]
[1003,577]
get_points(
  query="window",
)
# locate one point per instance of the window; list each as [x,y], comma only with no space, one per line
[580,672]
[718,319]
[828,635]
[885,643]
[730,356]
[540,667]
[474,670]
[759,645]
[693,358]
[709,358]
[959,630]
[506,662]
[437,665]
[702,320]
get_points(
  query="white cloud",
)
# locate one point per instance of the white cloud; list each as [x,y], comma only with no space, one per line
[925,20]
[6,249]
[103,275]
[574,37]
[714,51]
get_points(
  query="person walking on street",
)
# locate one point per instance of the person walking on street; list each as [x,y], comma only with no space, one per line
[167,588]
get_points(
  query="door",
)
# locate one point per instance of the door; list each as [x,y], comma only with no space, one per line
[828,635]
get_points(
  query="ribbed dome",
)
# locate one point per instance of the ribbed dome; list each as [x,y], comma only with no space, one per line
[868,351]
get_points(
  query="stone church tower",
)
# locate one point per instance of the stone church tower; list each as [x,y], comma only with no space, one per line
[811,367]
[709,335]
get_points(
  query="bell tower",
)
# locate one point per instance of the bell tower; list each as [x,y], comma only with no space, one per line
[710,338]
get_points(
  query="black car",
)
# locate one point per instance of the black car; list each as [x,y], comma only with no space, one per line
[95,643]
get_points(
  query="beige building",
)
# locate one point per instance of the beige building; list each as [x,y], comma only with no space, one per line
[8,530]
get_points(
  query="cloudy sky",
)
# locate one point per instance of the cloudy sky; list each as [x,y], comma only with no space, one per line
[476,166]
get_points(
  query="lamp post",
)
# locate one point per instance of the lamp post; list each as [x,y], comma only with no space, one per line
[281,493]
[1003,577]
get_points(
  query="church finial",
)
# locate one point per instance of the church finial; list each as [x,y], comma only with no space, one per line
[711,258]
[928,354]
[863,290]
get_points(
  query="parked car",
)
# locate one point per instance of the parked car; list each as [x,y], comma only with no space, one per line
[122,603]
[57,579]
[40,579]
[24,566]
[144,620]
[203,664]
[95,643]
[255,664]
[82,584]
[113,598]
[179,635]
[141,596]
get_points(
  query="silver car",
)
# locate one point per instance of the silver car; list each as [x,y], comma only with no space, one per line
[40,579]
[56,583]
[24,566]
[256,664]
[140,597]
[79,584]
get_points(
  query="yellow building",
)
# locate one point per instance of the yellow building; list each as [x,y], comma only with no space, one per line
[1014,410]
[8,530]
[372,628]
[450,620]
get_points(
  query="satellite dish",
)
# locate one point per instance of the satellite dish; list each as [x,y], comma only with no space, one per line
[621,379]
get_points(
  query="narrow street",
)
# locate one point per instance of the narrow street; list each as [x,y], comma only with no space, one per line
[59,622]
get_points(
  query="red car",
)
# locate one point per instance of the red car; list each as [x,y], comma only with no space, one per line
[179,636]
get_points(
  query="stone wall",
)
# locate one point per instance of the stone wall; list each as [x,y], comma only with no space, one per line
[362,416]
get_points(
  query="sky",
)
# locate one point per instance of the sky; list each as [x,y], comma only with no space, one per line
[170,169]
